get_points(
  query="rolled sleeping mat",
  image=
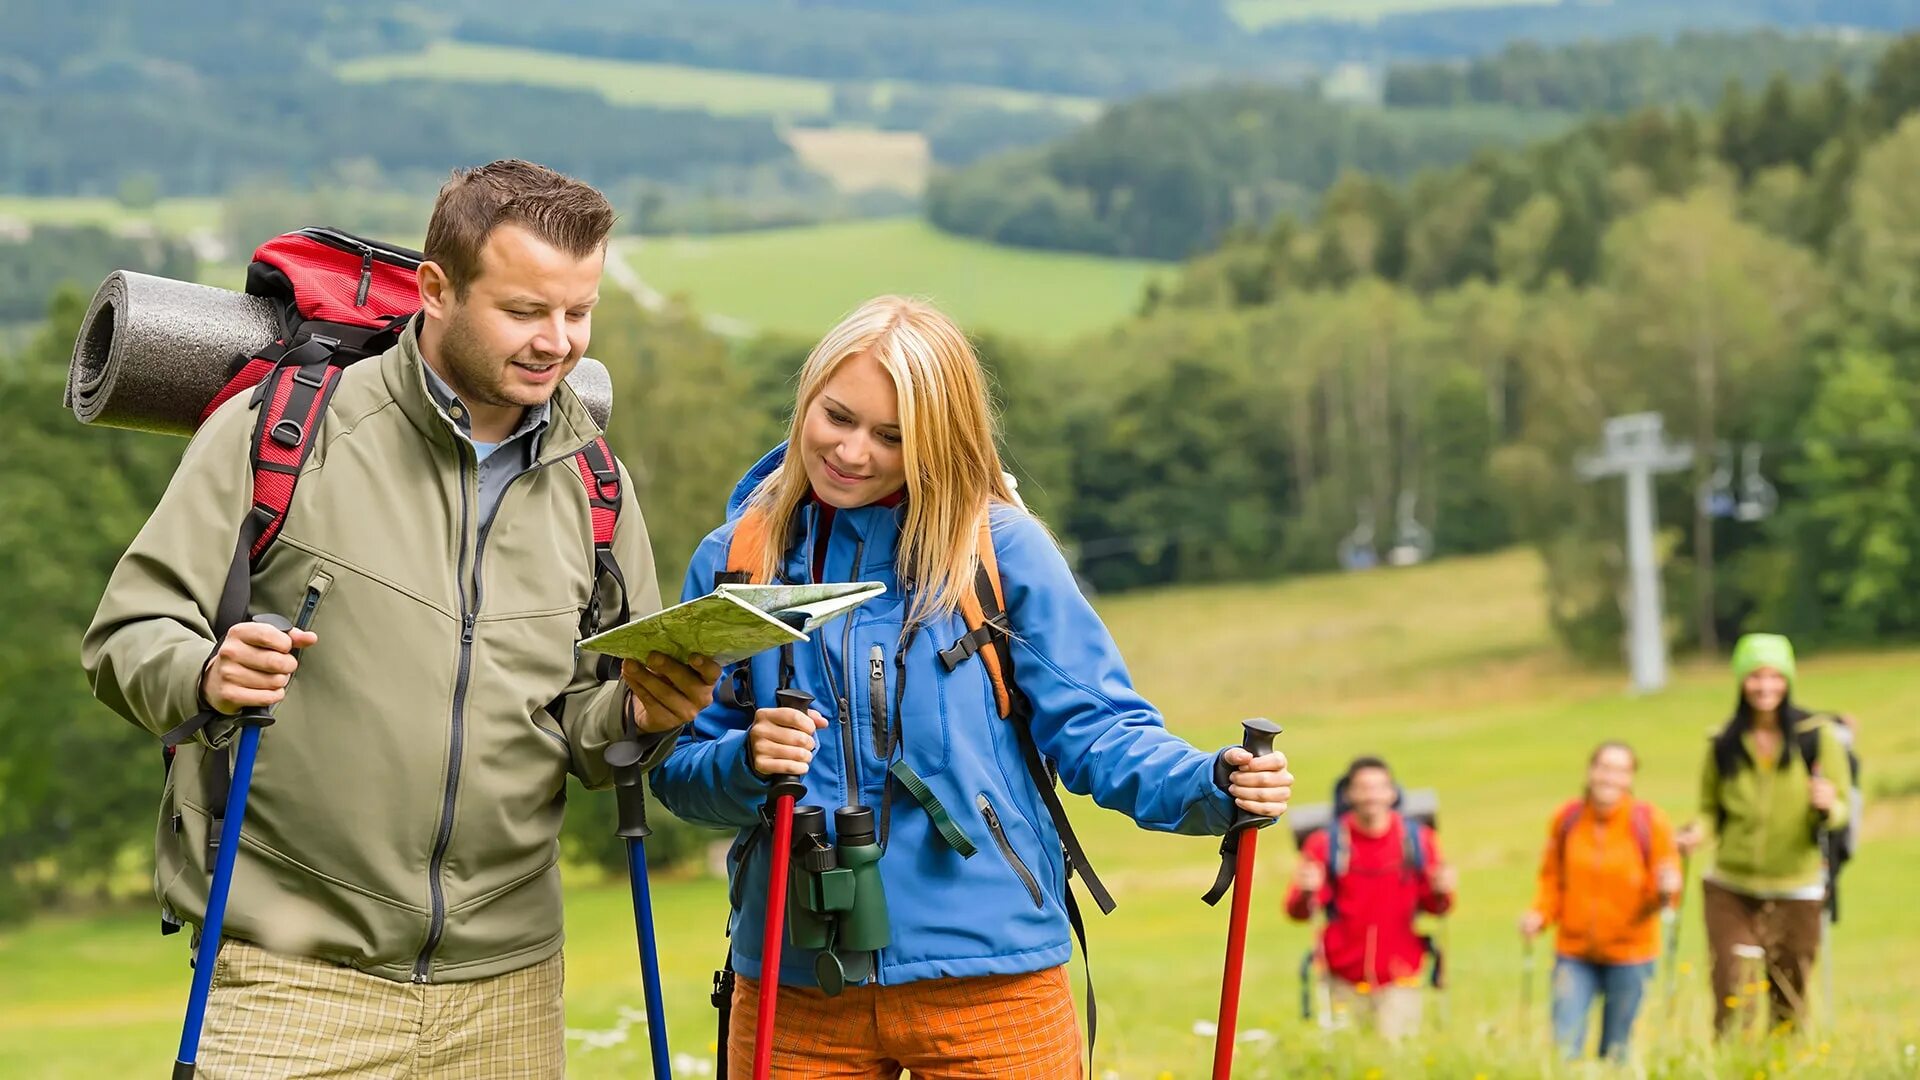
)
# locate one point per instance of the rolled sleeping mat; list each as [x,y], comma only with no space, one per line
[152,352]
[1421,805]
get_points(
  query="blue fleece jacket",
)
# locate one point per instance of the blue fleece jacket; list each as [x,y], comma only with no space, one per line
[1002,911]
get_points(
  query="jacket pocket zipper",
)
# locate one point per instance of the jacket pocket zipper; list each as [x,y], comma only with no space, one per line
[877,702]
[1006,849]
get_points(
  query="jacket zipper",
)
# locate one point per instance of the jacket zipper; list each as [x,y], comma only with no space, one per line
[850,778]
[877,702]
[1006,849]
[469,614]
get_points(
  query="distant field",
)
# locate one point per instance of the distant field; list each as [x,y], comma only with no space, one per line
[633,82]
[801,280]
[857,160]
[1255,14]
[168,215]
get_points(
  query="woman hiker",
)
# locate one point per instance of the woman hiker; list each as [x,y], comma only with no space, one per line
[1608,869]
[1774,779]
[890,474]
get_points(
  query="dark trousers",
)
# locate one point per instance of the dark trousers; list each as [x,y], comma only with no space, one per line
[1788,931]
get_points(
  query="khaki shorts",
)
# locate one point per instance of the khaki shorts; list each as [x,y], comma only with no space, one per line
[1393,1011]
[271,1016]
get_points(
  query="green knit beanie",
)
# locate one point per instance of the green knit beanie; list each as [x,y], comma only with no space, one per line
[1755,651]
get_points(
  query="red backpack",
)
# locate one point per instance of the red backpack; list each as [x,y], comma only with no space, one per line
[340,299]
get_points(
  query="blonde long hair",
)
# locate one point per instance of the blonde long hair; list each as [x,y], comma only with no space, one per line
[946,437]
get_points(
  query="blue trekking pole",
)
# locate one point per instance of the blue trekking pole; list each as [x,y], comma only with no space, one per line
[251,720]
[630,792]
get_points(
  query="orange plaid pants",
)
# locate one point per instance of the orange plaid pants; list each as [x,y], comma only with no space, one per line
[986,1027]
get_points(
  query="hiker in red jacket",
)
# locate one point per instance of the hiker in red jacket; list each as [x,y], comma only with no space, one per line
[1385,870]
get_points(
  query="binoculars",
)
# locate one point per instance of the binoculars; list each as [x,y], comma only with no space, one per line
[837,905]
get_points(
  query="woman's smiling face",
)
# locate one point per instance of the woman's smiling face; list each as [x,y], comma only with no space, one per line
[850,440]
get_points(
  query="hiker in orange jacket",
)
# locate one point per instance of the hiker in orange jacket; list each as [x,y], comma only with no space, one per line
[1609,866]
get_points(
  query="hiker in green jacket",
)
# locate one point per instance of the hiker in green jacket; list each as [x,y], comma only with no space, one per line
[1775,779]
[396,905]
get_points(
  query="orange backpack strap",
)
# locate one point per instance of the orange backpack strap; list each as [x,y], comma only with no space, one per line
[743,550]
[985,613]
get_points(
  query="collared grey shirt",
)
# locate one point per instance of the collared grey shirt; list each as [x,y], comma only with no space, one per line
[499,462]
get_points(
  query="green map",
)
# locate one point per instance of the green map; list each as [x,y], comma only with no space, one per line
[734,622]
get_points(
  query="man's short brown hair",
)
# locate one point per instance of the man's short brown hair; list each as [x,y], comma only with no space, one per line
[564,212]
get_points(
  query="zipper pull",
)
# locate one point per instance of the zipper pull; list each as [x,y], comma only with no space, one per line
[466,629]
[877,701]
[366,276]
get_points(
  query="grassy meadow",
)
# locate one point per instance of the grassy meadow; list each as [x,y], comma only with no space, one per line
[800,280]
[1469,697]
[662,85]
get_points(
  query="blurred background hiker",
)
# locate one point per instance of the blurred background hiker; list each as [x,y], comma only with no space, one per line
[1372,871]
[1775,782]
[1609,866]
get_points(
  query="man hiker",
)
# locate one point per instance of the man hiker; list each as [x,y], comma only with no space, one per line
[1373,871]
[396,905]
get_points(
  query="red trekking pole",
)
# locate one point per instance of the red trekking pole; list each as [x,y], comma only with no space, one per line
[780,800]
[1236,868]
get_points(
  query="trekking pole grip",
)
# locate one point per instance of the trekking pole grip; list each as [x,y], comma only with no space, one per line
[262,715]
[1256,737]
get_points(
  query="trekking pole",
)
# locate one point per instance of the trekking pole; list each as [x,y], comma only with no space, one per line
[630,793]
[1673,914]
[780,799]
[252,720]
[1829,914]
[1238,848]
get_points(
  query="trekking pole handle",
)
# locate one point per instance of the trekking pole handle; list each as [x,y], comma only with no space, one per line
[800,701]
[1256,738]
[262,715]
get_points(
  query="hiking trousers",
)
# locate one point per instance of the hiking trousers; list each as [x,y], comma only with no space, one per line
[271,1017]
[1789,932]
[976,1028]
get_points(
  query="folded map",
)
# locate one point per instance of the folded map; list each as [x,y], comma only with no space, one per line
[734,622]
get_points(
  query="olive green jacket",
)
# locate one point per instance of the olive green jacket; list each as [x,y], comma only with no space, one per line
[405,812]
[1765,819]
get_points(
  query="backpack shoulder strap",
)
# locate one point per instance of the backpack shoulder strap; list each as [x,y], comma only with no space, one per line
[1807,737]
[1642,822]
[292,400]
[1564,820]
[599,473]
[985,615]
[743,548]
[1413,848]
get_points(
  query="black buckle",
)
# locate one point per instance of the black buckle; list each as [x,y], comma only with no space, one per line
[962,650]
[289,433]
[318,371]
[214,827]
[722,993]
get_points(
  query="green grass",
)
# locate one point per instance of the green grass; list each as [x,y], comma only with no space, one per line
[1447,669]
[634,82]
[174,216]
[1257,14]
[802,280]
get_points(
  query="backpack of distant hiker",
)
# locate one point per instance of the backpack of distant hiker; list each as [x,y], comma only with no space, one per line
[339,299]
[1836,845]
